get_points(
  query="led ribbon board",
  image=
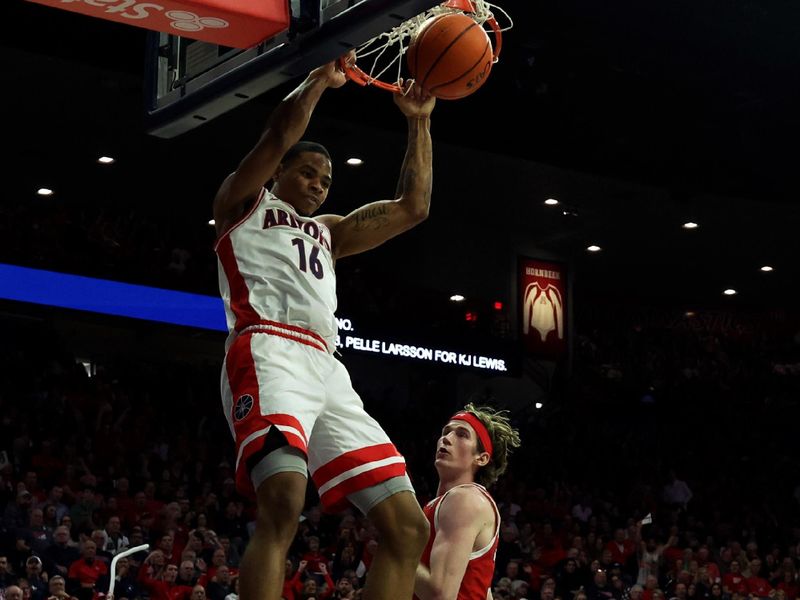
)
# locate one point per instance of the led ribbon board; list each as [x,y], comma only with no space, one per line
[111,297]
[195,310]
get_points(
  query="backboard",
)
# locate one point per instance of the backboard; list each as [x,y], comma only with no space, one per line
[189,82]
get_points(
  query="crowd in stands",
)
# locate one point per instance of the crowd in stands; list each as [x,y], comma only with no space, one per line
[109,242]
[663,466]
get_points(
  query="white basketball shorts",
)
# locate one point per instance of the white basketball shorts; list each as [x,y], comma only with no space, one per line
[286,379]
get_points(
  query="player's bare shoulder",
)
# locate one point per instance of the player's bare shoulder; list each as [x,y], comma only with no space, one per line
[478,513]
[469,503]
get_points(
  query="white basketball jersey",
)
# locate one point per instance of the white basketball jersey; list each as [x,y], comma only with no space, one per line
[276,266]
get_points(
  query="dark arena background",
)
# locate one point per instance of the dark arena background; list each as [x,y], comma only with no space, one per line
[611,256]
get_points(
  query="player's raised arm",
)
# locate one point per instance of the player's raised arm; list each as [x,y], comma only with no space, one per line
[373,224]
[285,126]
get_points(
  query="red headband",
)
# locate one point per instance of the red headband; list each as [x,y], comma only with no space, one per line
[480,429]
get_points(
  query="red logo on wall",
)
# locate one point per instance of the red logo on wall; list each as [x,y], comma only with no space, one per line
[543,297]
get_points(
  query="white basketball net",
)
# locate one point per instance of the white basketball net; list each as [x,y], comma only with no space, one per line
[378,47]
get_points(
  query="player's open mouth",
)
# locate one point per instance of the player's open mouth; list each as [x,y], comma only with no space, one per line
[441,451]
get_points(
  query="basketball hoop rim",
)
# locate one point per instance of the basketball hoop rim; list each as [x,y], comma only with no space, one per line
[354,73]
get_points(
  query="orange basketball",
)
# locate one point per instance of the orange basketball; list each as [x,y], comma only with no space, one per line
[451,56]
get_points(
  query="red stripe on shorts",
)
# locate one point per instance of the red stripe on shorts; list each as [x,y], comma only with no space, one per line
[240,295]
[242,378]
[290,421]
[241,371]
[335,499]
[352,459]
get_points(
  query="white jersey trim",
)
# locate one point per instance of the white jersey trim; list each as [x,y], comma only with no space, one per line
[485,549]
[261,195]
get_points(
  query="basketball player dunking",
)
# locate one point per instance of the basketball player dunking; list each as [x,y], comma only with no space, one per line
[458,561]
[289,402]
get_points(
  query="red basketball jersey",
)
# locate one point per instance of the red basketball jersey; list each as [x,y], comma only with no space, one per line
[480,569]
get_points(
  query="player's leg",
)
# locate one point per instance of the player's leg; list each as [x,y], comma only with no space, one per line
[352,459]
[280,499]
[270,410]
[403,531]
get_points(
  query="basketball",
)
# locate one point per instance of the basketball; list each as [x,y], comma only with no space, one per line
[451,56]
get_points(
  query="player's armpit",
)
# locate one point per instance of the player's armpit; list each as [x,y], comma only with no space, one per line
[370,226]
[242,187]
[329,221]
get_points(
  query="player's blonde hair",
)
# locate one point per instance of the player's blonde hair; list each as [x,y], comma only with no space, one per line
[504,439]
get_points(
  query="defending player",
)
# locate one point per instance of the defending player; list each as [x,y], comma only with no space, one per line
[458,561]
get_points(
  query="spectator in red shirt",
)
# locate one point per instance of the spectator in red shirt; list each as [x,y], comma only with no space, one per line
[313,556]
[621,548]
[292,584]
[788,584]
[312,590]
[166,544]
[295,588]
[650,587]
[165,588]
[725,558]
[704,560]
[673,552]
[533,572]
[734,582]
[86,571]
[552,550]
[757,585]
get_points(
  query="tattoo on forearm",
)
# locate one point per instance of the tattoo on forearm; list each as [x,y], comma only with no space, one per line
[373,218]
[409,179]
